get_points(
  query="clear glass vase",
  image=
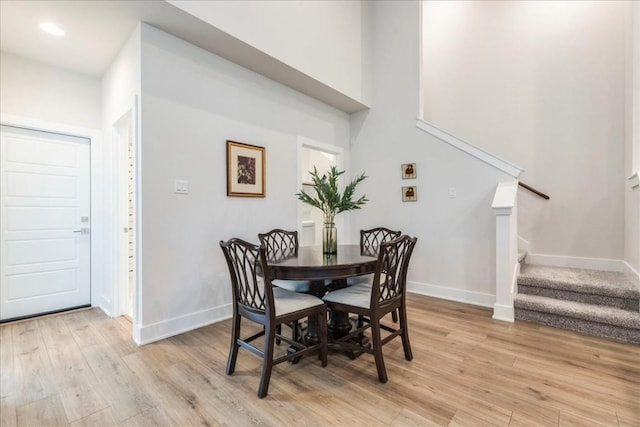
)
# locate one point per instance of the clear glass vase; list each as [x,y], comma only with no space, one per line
[329,238]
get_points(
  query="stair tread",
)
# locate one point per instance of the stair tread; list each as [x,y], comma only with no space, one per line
[597,313]
[607,283]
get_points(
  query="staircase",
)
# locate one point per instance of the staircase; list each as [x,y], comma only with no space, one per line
[594,302]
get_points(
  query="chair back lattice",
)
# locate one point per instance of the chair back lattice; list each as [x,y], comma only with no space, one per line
[279,243]
[393,262]
[249,272]
[370,240]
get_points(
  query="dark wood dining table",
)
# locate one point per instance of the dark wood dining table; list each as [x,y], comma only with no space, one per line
[313,265]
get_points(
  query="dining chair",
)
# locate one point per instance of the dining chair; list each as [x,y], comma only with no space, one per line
[281,244]
[370,241]
[374,302]
[257,300]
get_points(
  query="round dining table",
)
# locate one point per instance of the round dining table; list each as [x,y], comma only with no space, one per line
[313,265]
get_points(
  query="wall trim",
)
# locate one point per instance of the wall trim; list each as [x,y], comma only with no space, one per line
[104,303]
[504,313]
[631,271]
[472,150]
[576,262]
[177,325]
[523,244]
[452,294]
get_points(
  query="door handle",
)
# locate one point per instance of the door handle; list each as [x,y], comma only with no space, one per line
[82,231]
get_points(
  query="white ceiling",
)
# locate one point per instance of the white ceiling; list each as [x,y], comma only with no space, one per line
[96,30]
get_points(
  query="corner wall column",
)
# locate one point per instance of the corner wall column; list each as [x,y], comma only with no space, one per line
[507,268]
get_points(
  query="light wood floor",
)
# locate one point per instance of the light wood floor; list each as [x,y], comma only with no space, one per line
[82,368]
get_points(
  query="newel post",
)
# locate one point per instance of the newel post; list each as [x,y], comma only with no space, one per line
[505,209]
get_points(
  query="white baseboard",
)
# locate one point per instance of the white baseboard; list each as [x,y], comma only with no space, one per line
[576,262]
[167,328]
[452,294]
[523,244]
[505,313]
[631,271]
[105,304]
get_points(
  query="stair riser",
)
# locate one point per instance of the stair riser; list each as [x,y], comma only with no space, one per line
[623,303]
[584,326]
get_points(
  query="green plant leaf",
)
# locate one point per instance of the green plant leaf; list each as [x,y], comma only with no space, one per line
[328,198]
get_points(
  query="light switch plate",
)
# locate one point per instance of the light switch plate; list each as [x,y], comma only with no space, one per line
[181,186]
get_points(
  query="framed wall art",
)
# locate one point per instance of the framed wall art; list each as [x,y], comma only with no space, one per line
[409,171]
[410,194]
[245,170]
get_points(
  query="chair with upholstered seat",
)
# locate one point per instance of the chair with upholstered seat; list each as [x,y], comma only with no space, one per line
[256,299]
[281,244]
[372,303]
[370,241]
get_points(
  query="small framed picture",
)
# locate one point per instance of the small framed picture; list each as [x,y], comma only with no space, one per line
[409,171]
[410,194]
[245,170]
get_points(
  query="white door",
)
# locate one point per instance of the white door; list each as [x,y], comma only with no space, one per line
[45,224]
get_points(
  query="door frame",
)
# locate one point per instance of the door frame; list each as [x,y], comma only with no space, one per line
[124,129]
[304,142]
[99,241]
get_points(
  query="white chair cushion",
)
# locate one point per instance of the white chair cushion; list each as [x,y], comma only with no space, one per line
[358,280]
[356,295]
[292,285]
[288,302]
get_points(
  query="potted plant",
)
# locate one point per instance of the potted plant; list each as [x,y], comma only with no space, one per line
[329,200]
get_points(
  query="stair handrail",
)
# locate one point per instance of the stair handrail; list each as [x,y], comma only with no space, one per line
[533,190]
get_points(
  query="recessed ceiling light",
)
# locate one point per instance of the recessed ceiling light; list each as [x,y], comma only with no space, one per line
[51,28]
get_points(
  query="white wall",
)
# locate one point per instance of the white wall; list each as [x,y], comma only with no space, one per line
[39,91]
[632,143]
[39,96]
[121,82]
[192,102]
[322,39]
[120,86]
[541,84]
[455,254]
[75,101]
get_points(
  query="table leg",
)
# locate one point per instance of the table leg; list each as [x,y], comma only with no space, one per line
[312,337]
[339,324]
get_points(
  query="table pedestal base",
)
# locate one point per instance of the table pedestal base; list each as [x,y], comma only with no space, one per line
[339,324]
